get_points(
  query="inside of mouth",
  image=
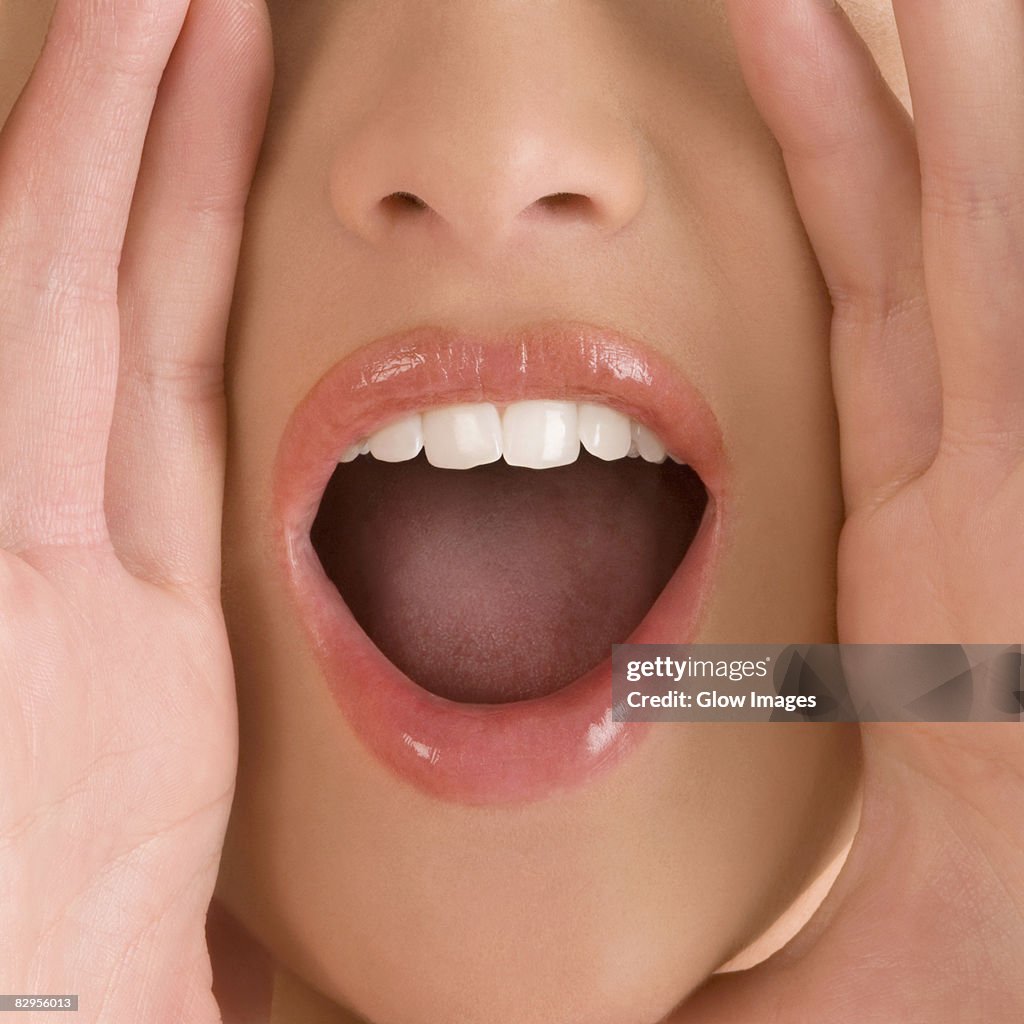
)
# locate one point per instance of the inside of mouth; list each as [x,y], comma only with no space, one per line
[501,583]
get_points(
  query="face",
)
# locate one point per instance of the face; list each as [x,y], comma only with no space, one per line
[489,204]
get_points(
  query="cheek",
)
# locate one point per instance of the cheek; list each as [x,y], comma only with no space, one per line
[22,30]
[739,260]
[875,20]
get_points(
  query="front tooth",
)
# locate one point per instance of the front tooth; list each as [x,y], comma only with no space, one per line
[462,436]
[398,441]
[648,444]
[604,432]
[540,434]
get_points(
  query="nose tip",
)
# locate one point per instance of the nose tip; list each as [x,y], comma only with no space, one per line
[480,186]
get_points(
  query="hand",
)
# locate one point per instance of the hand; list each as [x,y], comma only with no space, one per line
[918,226]
[118,732]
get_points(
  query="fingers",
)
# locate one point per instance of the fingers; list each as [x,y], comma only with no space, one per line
[966,69]
[69,155]
[848,146]
[165,464]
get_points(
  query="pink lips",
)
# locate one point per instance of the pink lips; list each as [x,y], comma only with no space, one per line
[495,753]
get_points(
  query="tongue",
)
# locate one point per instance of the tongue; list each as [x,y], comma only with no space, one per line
[498,583]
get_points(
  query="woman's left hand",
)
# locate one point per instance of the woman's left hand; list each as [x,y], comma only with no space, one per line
[918,226]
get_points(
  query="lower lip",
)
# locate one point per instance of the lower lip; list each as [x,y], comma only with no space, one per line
[486,753]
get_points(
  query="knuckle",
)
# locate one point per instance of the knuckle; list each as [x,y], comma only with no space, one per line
[178,379]
[121,38]
[220,206]
[985,436]
[966,192]
[58,277]
[52,242]
[880,304]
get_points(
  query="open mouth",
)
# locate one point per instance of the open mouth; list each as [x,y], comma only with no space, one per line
[467,525]
[495,555]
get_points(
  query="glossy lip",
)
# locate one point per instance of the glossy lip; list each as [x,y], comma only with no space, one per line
[497,753]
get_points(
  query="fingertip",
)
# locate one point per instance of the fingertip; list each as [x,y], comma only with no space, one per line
[216,91]
[227,45]
[807,68]
[778,46]
[247,34]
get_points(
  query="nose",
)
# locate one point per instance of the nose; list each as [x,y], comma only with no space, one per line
[486,120]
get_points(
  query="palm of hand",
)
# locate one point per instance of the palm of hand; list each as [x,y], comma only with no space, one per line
[120,735]
[941,560]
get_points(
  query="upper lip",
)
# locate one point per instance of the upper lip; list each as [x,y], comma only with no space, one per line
[427,366]
[431,366]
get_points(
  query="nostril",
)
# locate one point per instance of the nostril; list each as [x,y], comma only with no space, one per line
[400,201]
[564,203]
[562,199]
[399,210]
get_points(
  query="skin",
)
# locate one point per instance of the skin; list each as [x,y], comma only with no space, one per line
[404,872]
[883,240]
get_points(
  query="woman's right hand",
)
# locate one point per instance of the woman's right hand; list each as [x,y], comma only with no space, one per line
[118,732]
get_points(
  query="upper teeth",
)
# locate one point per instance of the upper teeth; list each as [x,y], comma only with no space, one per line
[537,434]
